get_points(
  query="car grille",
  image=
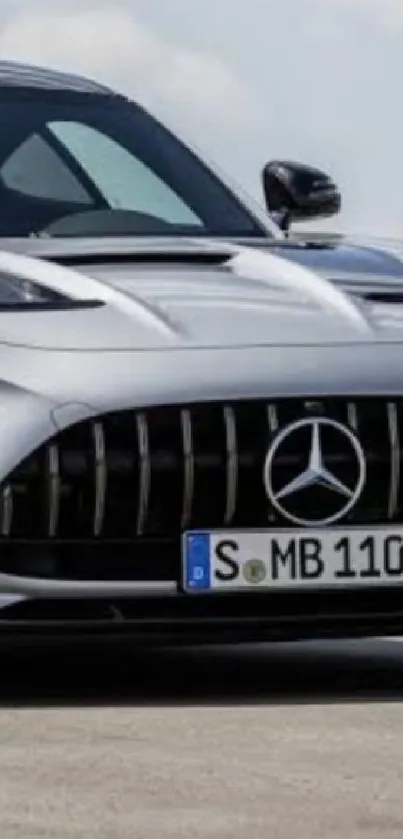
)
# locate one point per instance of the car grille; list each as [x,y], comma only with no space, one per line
[124,486]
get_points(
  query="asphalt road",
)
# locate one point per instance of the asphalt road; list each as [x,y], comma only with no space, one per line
[290,742]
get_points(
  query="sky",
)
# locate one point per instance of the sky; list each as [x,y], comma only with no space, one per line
[318,81]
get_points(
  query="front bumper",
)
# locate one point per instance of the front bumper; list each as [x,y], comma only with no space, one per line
[178,619]
[92,544]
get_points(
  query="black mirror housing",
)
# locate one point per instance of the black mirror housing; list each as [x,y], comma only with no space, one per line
[296,192]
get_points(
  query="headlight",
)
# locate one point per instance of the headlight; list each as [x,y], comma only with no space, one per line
[28,282]
[14,291]
[19,294]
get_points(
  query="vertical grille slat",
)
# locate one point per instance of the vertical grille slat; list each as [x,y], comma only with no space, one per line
[274,425]
[188,467]
[352,415]
[100,476]
[144,471]
[232,464]
[6,510]
[394,440]
[272,416]
[53,466]
[352,421]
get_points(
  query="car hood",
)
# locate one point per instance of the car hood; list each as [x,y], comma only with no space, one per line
[357,262]
[186,295]
[361,265]
[167,295]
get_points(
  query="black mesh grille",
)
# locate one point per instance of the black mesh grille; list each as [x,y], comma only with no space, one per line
[141,477]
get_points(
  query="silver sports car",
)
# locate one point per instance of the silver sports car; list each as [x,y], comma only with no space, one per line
[201,413]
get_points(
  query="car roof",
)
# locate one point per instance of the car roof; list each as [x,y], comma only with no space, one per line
[13,74]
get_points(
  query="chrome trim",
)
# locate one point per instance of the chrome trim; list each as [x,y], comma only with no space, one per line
[6,510]
[86,588]
[274,425]
[232,464]
[352,420]
[144,471]
[53,488]
[188,466]
[352,415]
[272,417]
[394,441]
[100,476]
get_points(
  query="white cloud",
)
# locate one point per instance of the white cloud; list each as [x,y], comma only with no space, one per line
[382,14]
[112,45]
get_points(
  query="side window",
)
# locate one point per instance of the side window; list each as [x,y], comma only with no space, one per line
[34,169]
[124,181]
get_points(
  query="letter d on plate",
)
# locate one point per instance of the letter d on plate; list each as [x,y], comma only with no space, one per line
[197,560]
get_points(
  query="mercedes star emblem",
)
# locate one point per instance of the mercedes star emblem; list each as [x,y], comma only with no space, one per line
[316,474]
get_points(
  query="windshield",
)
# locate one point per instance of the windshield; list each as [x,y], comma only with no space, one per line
[78,165]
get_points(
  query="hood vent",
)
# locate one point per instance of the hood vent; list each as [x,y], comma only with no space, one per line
[372,292]
[151,258]
[394,297]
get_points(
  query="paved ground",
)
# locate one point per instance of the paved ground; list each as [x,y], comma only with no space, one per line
[272,744]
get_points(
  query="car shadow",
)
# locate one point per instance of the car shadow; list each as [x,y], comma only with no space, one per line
[119,674]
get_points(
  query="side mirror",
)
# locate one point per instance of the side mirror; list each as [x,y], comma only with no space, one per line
[295,192]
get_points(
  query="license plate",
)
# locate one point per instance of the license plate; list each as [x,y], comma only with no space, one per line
[281,559]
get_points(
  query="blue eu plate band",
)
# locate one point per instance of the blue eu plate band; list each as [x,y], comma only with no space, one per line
[197,560]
